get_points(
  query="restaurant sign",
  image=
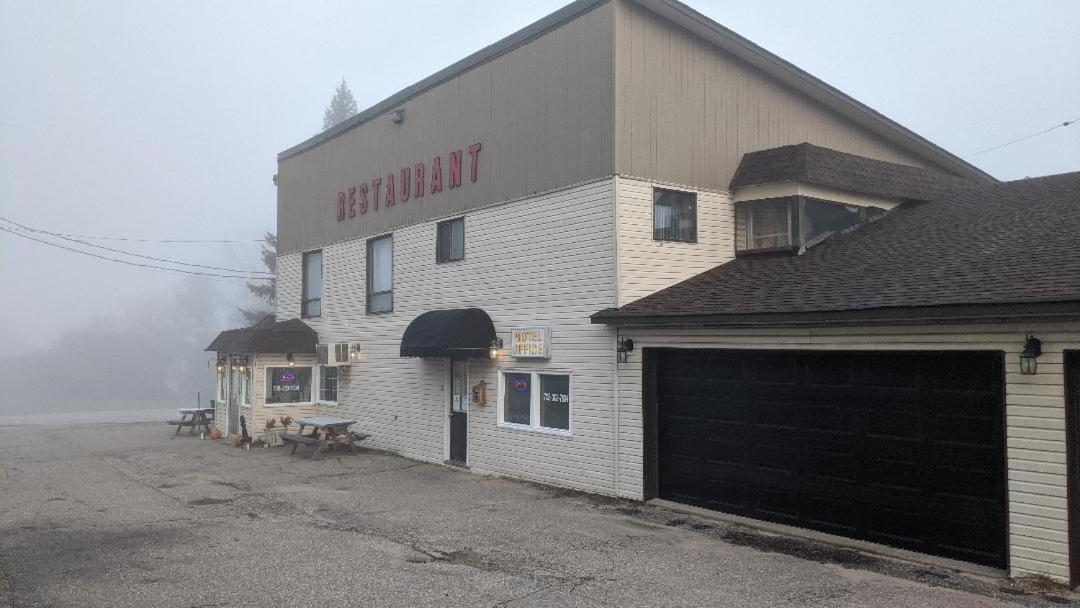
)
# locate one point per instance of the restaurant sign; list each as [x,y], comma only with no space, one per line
[529,343]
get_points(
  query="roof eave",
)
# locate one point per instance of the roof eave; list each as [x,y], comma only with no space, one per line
[913,314]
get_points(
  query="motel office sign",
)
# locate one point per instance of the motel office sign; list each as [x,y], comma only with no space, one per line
[411,181]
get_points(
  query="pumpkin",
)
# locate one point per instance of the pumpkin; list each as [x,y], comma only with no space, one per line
[215,434]
[238,440]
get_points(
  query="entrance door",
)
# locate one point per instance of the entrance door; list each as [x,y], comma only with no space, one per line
[459,411]
[903,449]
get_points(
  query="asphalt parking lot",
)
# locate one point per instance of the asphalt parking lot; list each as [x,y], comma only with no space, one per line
[126,515]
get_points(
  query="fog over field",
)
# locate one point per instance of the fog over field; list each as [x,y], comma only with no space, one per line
[142,127]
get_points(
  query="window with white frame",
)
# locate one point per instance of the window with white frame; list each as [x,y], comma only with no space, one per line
[288,385]
[535,400]
[380,274]
[328,384]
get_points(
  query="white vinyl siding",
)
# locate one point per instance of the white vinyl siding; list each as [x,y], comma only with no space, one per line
[554,274]
[1035,412]
[646,265]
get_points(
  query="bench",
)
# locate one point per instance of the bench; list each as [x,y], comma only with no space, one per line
[296,439]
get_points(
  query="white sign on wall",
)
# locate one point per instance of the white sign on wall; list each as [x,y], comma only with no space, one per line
[529,343]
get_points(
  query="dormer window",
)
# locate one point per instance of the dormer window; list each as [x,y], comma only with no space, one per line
[793,223]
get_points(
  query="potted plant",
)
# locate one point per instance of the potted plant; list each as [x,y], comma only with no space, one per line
[272,433]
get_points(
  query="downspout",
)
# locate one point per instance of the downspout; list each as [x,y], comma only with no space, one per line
[614,347]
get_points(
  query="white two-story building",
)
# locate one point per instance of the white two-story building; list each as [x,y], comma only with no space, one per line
[471,250]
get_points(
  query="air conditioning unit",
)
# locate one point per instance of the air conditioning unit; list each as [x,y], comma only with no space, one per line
[336,354]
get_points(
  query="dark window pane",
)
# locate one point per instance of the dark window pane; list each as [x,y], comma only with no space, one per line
[450,241]
[770,224]
[311,305]
[555,401]
[517,398]
[674,216]
[288,384]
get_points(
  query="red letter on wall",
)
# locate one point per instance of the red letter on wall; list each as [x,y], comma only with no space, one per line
[455,169]
[419,171]
[390,199]
[340,206]
[406,183]
[376,185]
[436,175]
[352,201]
[474,154]
[363,198]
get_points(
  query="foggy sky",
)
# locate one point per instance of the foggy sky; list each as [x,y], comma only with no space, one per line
[163,119]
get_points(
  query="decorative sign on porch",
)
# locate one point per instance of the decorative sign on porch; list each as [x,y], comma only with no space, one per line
[529,343]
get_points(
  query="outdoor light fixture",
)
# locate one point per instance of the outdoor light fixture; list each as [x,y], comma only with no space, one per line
[289,358]
[354,351]
[623,348]
[397,116]
[496,346]
[1029,357]
[220,365]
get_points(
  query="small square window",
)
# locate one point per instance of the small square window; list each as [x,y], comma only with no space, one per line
[674,216]
[450,241]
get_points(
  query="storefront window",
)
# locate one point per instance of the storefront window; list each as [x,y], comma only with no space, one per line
[536,400]
[288,385]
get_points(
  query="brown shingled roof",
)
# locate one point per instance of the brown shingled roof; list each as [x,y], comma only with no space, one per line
[267,336]
[819,166]
[1007,247]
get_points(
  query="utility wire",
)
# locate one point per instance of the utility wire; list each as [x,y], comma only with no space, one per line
[137,255]
[138,240]
[129,263]
[1026,137]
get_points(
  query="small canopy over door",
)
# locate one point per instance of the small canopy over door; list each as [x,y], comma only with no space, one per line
[462,333]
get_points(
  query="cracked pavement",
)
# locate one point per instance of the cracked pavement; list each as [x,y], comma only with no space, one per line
[128,515]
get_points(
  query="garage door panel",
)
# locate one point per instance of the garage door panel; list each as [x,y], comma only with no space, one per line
[887,447]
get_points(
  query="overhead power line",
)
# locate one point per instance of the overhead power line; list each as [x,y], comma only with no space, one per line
[139,240]
[1026,137]
[129,253]
[130,263]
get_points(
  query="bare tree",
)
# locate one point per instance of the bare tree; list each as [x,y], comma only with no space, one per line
[342,106]
[264,290]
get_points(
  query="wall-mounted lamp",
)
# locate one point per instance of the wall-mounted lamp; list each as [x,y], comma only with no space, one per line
[1029,357]
[397,116]
[354,352]
[241,365]
[623,347]
[289,358]
[496,346]
[220,364]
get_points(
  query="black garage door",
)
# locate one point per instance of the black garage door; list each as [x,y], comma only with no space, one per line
[903,449]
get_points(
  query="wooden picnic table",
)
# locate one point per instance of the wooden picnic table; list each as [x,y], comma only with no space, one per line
[326,432]
[194,417]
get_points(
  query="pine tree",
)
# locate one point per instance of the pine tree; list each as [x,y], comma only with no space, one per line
[342,106]
[264,290]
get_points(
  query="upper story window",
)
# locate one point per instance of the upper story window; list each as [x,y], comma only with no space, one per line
[674,216]
[794,223]
[450,241]
[380,274]
[311,303]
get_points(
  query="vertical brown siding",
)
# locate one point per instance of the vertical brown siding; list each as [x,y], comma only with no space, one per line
[543,113]
[686,111]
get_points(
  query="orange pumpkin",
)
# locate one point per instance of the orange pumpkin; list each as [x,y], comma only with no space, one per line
[215,434]
[238,440]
